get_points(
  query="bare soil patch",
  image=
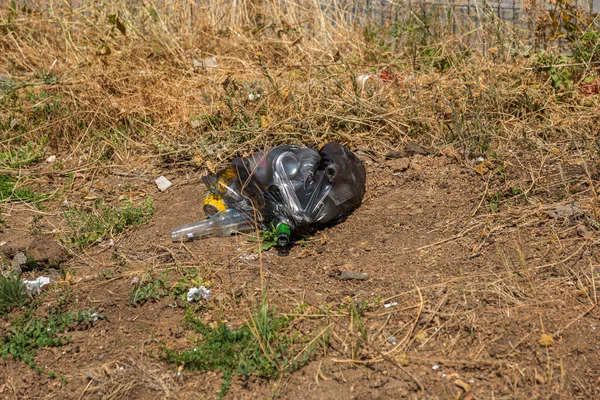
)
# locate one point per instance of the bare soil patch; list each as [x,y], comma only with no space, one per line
[457,301]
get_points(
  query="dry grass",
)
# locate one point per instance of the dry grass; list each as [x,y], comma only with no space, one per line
[112,86]
[127,82]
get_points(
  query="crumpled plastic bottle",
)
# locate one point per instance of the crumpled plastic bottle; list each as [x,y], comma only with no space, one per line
[289,186]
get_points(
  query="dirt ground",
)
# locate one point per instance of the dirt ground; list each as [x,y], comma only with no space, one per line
[461,301]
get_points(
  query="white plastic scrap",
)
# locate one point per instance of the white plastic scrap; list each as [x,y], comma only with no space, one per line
[392,304]
[249,257]
[163,183]
[207,63]
[362,79]
[51,159]
[37,284]
[198,293]
[435,367]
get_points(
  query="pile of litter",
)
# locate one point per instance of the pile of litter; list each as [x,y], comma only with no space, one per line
[287,187]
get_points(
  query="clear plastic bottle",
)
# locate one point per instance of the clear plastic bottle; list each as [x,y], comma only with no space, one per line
[223,223]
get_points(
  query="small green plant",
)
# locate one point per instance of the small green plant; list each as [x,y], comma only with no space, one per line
[154,289]
[496,198]
[561,77]
[260,347]
[267,239]
[93,224]
[191,278]
[15,157]
[27,333]
[12,292]
[586,48]
[8,193]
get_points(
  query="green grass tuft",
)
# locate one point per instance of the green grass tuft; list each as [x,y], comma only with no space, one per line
[93,224]
[154,287]
[12,292]
[9,193]
[21,156]
[261,347]
[27,334]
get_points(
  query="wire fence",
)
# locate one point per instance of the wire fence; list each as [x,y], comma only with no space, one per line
[475,23]
[388,11]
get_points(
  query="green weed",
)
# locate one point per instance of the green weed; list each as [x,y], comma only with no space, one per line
[8,192]
[261,347]
[12,292]
[496,198]
[15,157]
[191,278]
[266,240]
[154,289]
[95,223]
[27,334]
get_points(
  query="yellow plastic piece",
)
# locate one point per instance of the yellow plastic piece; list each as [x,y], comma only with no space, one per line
[213,203]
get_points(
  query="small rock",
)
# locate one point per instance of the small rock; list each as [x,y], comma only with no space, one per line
[435,367]
[353,275]
[221,297]
[177,331]
[539,378]
[315,298]
[198,123]
[503,347]
[20,258]
[163,183]
[54,275]
[582,231]
[46,252]
[402,359]
[51,159]
[570,211]
[400,165]
[394,154]
[412,148]
[392,339]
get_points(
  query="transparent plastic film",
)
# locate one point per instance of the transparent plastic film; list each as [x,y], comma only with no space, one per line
[284,172]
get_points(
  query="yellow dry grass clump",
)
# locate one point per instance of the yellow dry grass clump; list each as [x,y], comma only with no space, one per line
[199,82]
